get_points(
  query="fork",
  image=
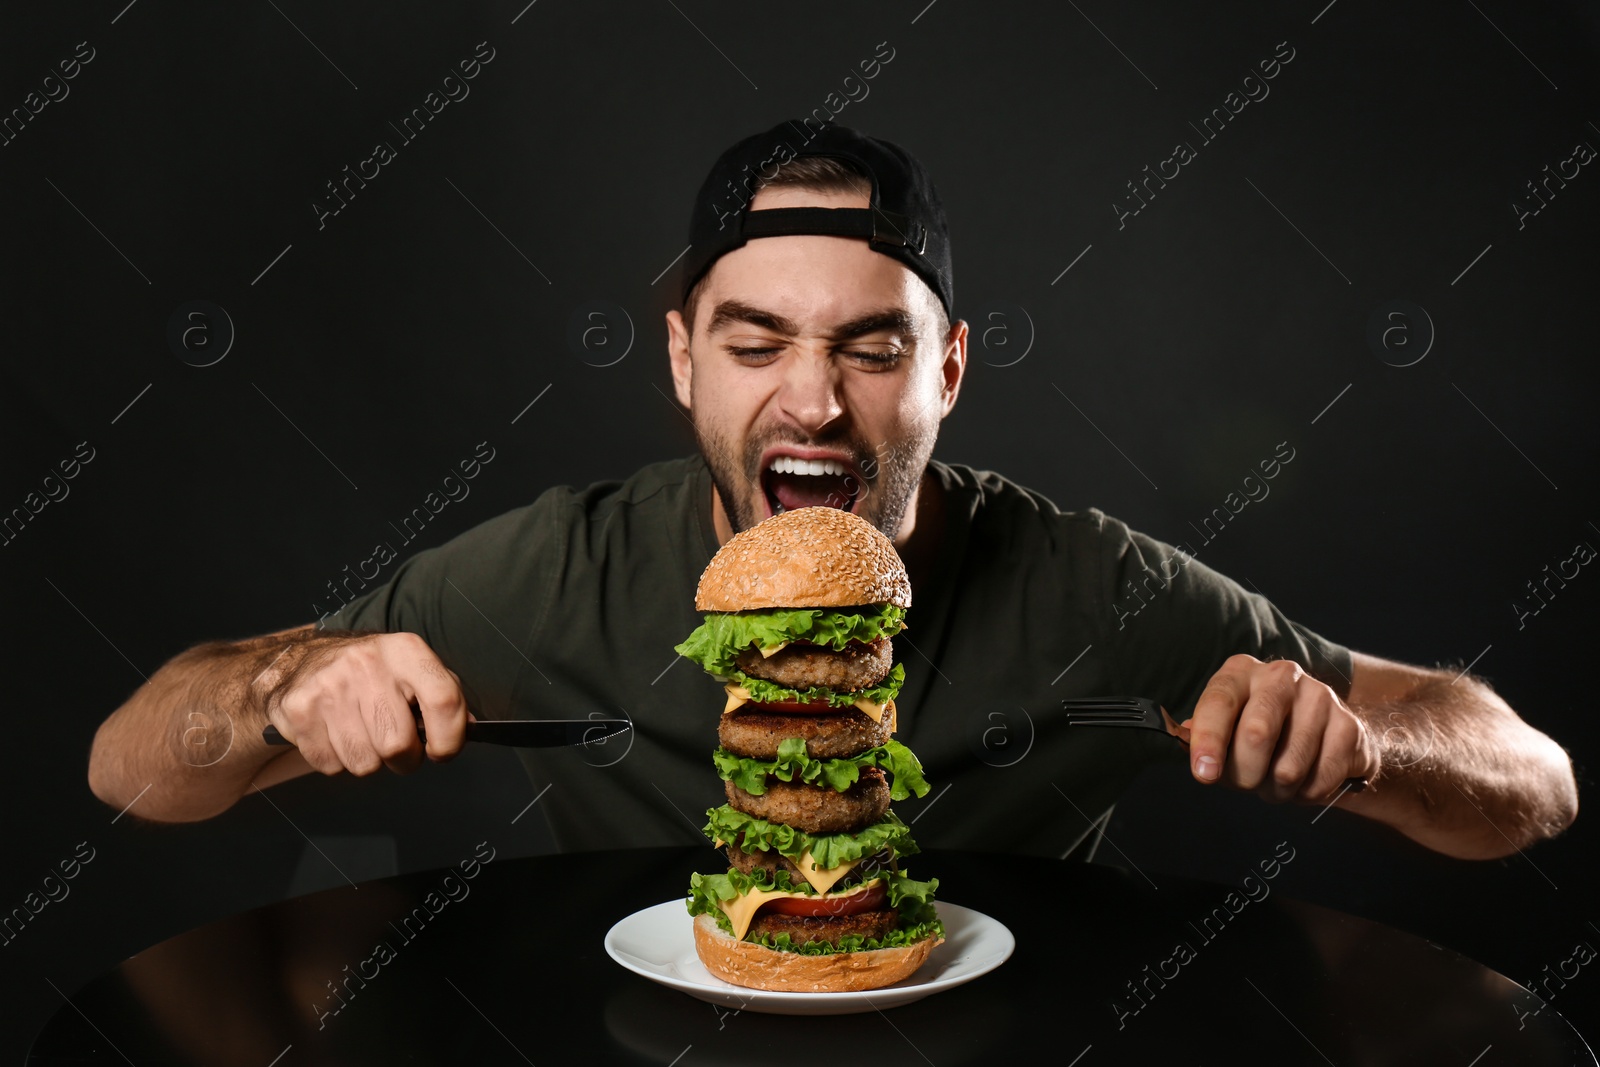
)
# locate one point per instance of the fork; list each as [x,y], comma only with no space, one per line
[1141,712]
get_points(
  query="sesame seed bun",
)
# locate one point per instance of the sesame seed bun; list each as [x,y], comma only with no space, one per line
[816,557]
[754,966]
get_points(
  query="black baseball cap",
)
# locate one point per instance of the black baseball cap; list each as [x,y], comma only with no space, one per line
[905,221]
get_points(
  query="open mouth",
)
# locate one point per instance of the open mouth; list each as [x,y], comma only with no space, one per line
[789,482]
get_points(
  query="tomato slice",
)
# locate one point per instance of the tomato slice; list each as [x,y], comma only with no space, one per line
[865,898]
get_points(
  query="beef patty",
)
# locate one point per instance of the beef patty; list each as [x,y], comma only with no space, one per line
[803,928]
[799,665]
[817,809]
[757,734]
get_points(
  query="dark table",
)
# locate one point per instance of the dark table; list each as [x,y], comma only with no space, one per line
[507,967]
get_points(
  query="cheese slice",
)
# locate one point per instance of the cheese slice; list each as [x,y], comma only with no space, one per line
[738,694]
[742,909]
[822,880]
[767,653]
[874,710]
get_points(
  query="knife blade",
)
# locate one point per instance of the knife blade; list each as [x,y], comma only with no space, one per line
[518,733]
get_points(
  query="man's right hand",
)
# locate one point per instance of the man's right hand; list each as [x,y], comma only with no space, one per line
[349,707]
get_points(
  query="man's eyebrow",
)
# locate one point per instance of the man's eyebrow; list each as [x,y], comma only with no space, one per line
[892,320]
[731,311]
[886,320]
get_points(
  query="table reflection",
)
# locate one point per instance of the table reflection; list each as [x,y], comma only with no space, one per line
[510,968]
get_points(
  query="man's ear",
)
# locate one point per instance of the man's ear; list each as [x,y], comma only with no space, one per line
[954,366]
[678,353]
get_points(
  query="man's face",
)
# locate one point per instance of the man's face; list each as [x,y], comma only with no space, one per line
[817,373]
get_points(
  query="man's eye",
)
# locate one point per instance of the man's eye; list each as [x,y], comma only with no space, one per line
[877,359]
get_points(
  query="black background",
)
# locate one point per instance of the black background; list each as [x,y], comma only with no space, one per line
[379,350]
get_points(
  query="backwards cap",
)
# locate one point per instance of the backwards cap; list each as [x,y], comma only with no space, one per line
[905,220]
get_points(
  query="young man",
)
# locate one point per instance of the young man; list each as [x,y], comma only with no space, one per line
[817,354]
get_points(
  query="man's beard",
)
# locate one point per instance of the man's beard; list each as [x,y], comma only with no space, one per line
[893,471]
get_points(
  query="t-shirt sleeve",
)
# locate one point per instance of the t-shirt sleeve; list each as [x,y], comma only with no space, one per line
[1173,621]
[477,600]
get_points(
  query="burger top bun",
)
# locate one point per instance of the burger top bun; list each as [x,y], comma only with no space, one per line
[754,966]
[816,557]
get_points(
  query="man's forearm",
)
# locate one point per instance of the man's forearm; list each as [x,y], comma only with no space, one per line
[1463,774]
[188,743]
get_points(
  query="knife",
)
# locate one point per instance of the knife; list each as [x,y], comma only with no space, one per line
[519,733]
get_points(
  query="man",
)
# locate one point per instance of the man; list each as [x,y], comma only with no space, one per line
[817,354]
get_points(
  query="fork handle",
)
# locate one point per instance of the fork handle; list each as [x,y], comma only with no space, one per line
[1352,785]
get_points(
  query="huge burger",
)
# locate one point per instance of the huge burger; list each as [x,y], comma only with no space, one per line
[800,612]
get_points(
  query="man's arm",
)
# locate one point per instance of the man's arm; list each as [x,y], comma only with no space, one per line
[1465,775]
[1449,763]
[187,744]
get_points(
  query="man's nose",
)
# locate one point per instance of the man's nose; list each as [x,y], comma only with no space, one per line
[812,394]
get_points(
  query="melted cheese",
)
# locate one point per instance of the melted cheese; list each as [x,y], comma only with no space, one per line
[742,909]
[822,880]
[874,711]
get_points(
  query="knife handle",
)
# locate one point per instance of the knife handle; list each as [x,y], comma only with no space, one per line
[271,736]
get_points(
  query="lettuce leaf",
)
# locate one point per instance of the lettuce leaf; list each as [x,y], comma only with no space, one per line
[899,937]
[723,635]
[882,693]
[710,888]
[827,850]
[840,774]
[913,899]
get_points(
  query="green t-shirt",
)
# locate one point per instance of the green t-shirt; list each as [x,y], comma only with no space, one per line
[571,605]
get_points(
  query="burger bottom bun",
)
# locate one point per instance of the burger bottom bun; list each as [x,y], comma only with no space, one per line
[744,963]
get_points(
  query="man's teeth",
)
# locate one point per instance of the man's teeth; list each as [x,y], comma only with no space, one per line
[794,465]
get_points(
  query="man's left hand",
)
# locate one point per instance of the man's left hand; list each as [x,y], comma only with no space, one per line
[1273,728]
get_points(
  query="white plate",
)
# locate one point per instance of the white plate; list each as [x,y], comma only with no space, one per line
[658,943]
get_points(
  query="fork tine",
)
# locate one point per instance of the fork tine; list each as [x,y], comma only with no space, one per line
[1120,705]
[1112,711]
[1105,722]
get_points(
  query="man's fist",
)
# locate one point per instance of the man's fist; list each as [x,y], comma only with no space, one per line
[349,706]
[1273,728]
